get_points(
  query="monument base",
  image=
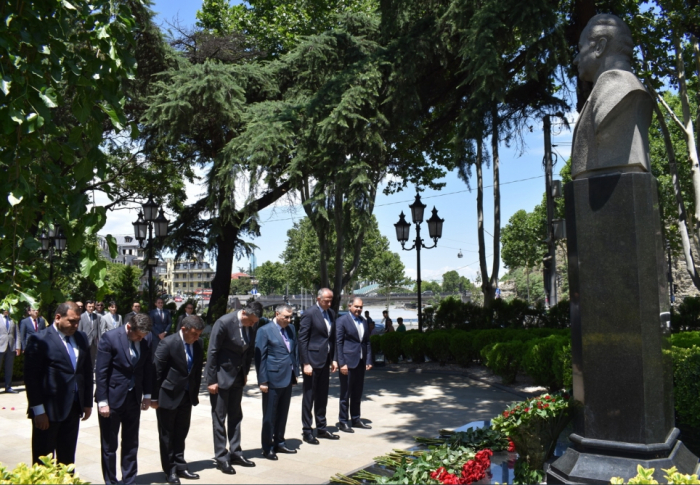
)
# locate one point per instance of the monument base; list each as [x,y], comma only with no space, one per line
[597,461]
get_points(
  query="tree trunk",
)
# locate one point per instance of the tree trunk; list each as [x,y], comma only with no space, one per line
[696,56]
[339,221]
[527,273]
[486,288]
[496,199]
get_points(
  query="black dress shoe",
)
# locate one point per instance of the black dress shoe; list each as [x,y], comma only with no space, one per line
[225,468]
[242,461]
[327,435]
[360,424]
[270,455]
[9,390]
[309,438]
[172,478]
[284,449]
[187,474]
[345,427]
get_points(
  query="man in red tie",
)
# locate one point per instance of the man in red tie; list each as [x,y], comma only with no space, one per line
[30,325]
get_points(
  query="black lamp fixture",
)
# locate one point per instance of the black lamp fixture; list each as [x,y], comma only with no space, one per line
[151,217]
[403,230]
[52,239]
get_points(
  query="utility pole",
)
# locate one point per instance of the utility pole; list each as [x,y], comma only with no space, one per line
[550,261]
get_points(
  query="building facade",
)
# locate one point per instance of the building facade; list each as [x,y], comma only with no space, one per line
[187,277]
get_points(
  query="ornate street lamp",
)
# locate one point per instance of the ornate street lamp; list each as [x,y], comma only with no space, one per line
[51,241]
[150,217]
[403,229]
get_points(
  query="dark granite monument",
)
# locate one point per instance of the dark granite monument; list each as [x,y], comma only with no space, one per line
[619,306]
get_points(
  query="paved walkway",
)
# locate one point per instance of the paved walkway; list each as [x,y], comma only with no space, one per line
[399,405]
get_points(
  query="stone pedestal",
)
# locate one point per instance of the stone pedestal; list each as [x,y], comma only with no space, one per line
[619,318]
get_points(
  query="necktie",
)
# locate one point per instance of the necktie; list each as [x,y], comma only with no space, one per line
[71,353]
[134,353]
[190,357]
[246,335]
[284,337]
[36,329]
[7,324]
[160,314]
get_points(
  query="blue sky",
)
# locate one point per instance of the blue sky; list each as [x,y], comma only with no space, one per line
[522,187]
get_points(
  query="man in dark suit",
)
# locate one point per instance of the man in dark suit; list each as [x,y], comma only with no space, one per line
[9,347]
[316,352]
[162,321]
[354,354]
[59,383]
[30,325]
[277,365]
[231,351]
[189,310]
[178,374]
[123,382]
[135,309]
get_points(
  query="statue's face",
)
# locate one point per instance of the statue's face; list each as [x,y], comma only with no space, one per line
[587,58]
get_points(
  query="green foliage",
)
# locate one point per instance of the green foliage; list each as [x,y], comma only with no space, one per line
[241,286]
[18,368]
[271,278]
[376,343]
[524,475]
[687,315]
[685,340]
[433,286]
[438,346]
[391,345]
[125,287]
[646,476]
[49,471]
[64,65]
[461,347]
[414,345]
[504,359]
[539,361]
[474,438]
[686,384]
[562,366]
[523,241]
[450,313]
[559,316]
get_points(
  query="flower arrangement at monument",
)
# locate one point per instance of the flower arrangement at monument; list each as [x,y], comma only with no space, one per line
[472,471]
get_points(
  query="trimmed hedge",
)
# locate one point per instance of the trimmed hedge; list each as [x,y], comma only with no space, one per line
[376,343]
[391,345]
[414,345]
[561,366]
[461,347]
[504,358]
[539,361]
[685,340]
[438,346]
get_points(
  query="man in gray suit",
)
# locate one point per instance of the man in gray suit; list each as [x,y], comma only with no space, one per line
[9,346]
[93,326]
[231,351]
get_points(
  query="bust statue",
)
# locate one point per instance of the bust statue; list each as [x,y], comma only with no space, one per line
[612,132]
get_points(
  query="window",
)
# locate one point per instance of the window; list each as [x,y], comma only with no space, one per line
[191,284]
[128,239]
[199,276]
[177,285]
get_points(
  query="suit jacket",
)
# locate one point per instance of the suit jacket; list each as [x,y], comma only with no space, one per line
[171,377]
[160,325]
[26,328]
[113,321]
[49,375]
[93,328]
[275,364]
[228,353]
[348,343]
[8,338]
[314,338]
[114,369]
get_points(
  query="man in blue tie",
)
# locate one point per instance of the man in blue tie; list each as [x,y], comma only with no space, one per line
[277,365]
[59,383]
[178,374]
[123,378]
[354,355]
[9,347]
[162,321]
[317,355]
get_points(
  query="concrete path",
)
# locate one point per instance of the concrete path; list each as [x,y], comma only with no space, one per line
[399,405]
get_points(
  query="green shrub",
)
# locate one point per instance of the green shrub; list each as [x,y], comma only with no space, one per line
[503,358]
[438,346]
[376,343]
[686,384]
[450,313]
[18,368]
[391,345]
[48,472]
[461,347]
[687,316]
[561,366]
[685,340]
[413,346]
[538,361]
[559,315]
[484,338]
[510,314]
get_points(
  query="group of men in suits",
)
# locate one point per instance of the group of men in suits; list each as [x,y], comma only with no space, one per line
[13,340]
[138,365]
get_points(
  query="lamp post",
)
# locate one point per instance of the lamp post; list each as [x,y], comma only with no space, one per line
[151,218]
[52,240]
[403,230]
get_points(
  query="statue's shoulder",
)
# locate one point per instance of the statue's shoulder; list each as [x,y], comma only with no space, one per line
[611,88]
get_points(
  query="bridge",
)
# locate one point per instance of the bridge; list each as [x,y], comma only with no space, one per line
[304,301]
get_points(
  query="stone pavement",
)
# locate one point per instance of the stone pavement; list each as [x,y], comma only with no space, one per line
[398,404]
